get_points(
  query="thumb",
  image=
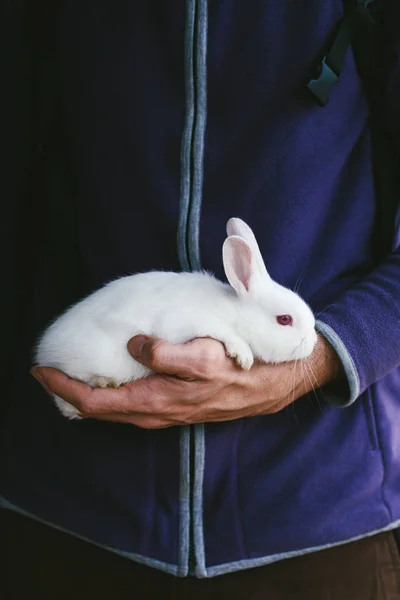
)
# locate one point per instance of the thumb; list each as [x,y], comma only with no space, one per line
[136,346]
[182,360]
[156,354]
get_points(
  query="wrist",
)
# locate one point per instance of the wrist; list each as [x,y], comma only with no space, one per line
[324,366]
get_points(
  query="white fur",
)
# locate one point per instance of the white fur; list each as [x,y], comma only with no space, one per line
[89,341]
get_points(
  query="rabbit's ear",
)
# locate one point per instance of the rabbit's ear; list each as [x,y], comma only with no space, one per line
[239,264]
[238,227]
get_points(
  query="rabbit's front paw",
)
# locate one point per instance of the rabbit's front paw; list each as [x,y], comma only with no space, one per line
[98,381]
[240,352]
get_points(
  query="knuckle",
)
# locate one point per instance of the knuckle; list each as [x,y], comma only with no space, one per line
[186,420]
[152,424]
[160,425]
[156,354]
[210,360]
[86,405]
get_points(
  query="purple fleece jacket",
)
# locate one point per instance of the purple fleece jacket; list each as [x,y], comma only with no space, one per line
[175,116]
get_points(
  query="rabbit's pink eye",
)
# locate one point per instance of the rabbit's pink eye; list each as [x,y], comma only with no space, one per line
[284,320]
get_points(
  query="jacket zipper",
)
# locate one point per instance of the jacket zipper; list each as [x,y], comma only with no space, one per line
[192,179]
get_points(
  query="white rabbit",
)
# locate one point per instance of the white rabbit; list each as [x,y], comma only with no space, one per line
[254,317]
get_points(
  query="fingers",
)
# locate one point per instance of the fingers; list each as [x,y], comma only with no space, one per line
[136,419]
[82,396]
[86,399]
[197,359]
[56,382]
[41,378]
[152,395]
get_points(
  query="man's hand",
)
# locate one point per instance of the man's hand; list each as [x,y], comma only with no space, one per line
[195,383]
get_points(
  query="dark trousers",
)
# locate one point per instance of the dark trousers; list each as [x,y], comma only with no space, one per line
[40,562]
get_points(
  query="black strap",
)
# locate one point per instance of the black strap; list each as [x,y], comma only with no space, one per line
[357,22]
[361,29]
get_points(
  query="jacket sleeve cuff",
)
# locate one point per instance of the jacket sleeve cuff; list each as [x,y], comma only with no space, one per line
[345,392]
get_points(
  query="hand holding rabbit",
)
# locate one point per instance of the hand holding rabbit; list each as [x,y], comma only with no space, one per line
[195,383]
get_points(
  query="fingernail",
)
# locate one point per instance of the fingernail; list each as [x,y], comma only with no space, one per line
[135,345]
[38,375]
